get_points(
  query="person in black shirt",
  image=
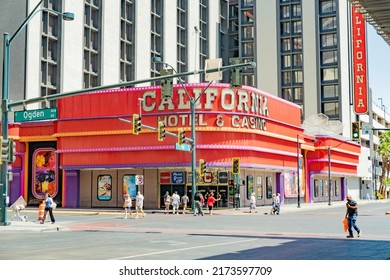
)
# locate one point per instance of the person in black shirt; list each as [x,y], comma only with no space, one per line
[351,215]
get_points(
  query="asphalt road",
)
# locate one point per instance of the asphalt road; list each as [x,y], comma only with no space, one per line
[308,233]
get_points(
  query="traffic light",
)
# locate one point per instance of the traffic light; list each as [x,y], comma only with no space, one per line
[4,150]
[202,167]
[136,124]
[356,131]
[166,84]
[236,166]
[181,136]
[161,130]
[235,79]
[12,150]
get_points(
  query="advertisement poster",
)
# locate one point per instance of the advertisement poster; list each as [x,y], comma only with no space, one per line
[104,187]
[129,185]
[45,173]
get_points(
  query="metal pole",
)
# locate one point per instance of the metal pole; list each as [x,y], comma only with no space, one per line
[193,154]
[329,182]
[4,127]
[298,166]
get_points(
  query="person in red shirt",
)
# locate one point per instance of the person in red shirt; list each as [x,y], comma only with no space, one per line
[210,203]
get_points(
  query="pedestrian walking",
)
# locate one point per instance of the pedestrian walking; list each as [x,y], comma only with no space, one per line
[127,205]
[198,207]
[184,202]
[252,206]
[167,202]
[139,205]
[351,215]
[175,203]
[277,203]
[210,202]
[48,208]
[272,211]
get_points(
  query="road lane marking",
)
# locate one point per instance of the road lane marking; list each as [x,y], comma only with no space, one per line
[185,249]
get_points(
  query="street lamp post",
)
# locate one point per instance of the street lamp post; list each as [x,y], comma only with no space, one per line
[5,101]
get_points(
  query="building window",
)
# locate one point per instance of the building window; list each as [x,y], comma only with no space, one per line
[297,27]
[297,60]
[296,10]
[330,92]
[156,35]
[297,43]
[92,24]
[50,51]
[327,6]
[259,184]
[286,61]
[330,74]
[203,35]
[331,109]
[329,57]
[328,23]
[286,44]
[127,55]
[286,78]
[269,187]
[182,26]
[328,40]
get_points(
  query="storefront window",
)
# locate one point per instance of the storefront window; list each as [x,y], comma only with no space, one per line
[104,186]
[268,182]
[259,187]
[321,193]
[316,188]
[249,186]
[336,188]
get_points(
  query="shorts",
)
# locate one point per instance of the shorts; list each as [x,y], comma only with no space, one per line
[210,207]
[175,205]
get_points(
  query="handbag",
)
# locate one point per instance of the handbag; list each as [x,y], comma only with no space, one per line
[53,205]
[345,222]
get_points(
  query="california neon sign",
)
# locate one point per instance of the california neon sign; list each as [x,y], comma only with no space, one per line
[360,93]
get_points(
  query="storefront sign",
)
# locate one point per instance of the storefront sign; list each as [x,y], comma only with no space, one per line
[178,178]
[360,95]
[165,177]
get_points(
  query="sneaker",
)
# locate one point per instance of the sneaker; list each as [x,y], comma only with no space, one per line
[358,234]
[53,222]
[349,236]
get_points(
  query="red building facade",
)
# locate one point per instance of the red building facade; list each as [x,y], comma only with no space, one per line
[89,158]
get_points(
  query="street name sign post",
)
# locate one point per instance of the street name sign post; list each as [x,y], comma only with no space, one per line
[35,115]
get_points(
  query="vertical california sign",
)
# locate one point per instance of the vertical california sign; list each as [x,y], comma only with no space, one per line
[360,92]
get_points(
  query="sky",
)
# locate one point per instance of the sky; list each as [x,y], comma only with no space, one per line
[378,57]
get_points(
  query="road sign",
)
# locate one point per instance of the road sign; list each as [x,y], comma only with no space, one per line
[35,115]
[183,147]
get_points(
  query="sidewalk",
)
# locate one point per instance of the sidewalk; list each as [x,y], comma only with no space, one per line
[33,225]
